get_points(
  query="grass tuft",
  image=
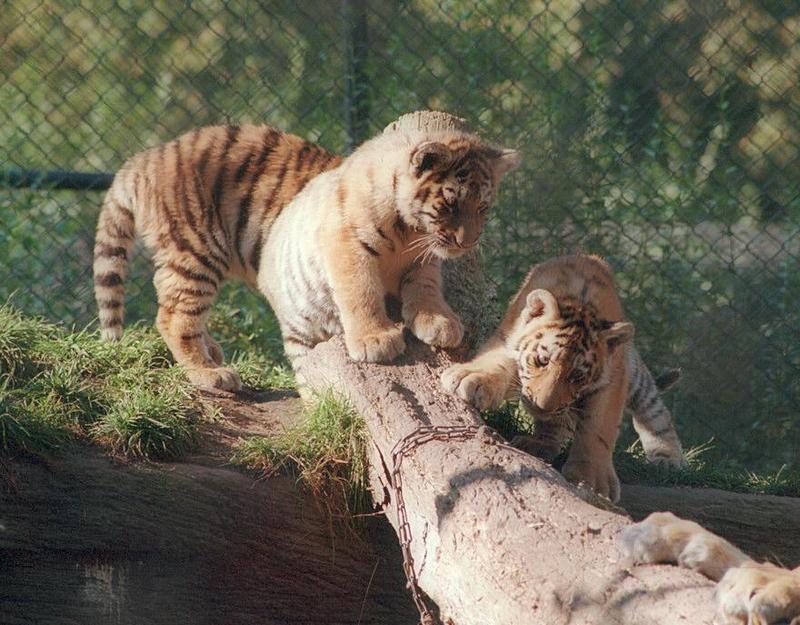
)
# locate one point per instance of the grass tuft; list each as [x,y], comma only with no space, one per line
[326,452]
[153,423]
[633,468]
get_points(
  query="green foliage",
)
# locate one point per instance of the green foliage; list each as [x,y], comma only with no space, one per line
[326,452]
[158,420]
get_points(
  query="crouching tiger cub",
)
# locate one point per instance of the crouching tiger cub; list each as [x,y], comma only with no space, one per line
[325,239]
[565,348]
[748,591]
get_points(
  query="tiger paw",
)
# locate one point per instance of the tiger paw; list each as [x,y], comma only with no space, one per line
[664,538]
[664,449]
[222,378]
[482,389]
[599,476]
[441,329]
[759,593]
[379,346]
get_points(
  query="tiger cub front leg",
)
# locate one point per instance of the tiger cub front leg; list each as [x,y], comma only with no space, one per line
[486,380]
[425,312]
[748,591]
[590,460]
[369,334]
[667,539]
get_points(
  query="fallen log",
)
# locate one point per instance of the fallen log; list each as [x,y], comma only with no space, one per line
[86,539]
[496,536]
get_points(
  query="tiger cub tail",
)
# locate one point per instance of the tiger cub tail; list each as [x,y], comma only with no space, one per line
[113,243]
[651,418]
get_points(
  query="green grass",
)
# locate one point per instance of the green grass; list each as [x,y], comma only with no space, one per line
[58,385]
[703,473]
[326,452]
[633,468]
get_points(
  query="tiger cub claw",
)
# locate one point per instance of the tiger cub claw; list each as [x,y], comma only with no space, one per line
[483,390]
[438,329]
[379,346]
[221,378]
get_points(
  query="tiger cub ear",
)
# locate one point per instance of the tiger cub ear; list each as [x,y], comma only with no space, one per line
[540,303]
[430,155]
[505,160]
[618,333]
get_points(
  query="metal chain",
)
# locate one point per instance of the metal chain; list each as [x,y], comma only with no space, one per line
[404,447]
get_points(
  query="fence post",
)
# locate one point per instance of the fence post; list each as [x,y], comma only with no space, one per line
[356,82]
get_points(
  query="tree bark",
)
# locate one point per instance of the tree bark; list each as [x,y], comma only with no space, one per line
[497,535]
[85,539]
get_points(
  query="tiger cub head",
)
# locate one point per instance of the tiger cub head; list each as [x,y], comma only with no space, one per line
[563,351]
[448,189]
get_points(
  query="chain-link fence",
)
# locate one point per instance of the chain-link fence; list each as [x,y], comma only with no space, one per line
[661,134]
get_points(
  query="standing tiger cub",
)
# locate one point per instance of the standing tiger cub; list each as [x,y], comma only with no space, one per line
[325,239]
[565,347]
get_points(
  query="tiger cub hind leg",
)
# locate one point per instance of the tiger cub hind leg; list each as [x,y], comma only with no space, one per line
[184,307]
[651,417]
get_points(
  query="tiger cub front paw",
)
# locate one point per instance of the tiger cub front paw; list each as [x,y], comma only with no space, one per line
[482,389]
[378,346]
[759,593]
[601,477]
[441,329]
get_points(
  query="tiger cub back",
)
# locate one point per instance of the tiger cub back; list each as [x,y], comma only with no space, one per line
[565,348]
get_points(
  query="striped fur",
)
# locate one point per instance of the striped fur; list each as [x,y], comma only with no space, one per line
[565,348]
[324,238]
